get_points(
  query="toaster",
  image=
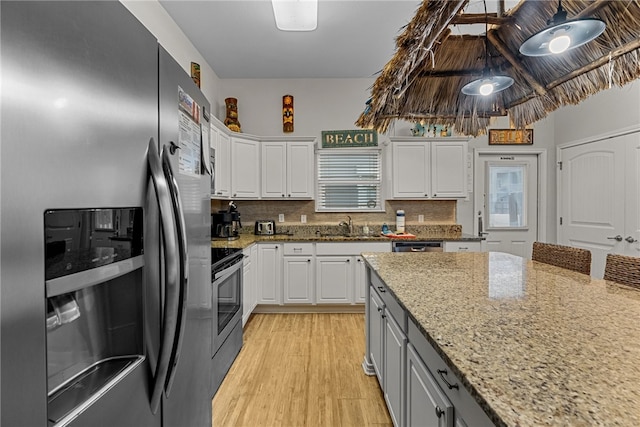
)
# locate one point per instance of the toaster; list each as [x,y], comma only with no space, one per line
[266,227]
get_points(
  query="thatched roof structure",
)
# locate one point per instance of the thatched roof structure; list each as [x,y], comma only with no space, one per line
[423,80]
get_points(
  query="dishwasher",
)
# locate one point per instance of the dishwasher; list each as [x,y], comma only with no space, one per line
[417,246]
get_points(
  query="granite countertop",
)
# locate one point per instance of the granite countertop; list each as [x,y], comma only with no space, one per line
[246,239]
[533,343]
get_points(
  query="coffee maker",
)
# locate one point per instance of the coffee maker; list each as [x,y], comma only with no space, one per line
[226,224]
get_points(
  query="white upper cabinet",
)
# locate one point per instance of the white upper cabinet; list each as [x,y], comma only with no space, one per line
[429,168]
[287,169]
[245,168]
[449,169]
[221,144]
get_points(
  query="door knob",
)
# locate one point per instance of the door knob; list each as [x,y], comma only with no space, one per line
[617,238]
[630,239]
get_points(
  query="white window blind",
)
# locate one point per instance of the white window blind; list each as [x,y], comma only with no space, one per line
[349,180]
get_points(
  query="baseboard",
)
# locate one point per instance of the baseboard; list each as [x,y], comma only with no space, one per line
[323,308]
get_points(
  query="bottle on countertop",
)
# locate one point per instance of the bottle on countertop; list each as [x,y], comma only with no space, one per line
[399,221]
[385,228]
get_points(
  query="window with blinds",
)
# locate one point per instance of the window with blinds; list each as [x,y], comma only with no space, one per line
[349,180]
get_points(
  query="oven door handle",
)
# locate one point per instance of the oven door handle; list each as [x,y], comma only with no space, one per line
[224,274]
[184,268]
[171,270]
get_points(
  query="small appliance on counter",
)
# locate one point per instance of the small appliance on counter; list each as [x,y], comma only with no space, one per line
[226,224]
[265,227]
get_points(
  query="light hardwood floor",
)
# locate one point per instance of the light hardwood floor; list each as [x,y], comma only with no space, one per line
[300,370]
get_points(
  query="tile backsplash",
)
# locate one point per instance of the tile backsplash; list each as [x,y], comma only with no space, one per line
[434,211]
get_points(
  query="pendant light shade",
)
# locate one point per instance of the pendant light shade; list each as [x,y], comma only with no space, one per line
[487,85]
[562,35]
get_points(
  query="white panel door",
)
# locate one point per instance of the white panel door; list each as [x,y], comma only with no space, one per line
[591,199]
[600,198]
[506,188]
[632,199]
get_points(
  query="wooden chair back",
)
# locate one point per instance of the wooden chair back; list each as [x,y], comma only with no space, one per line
[568,257]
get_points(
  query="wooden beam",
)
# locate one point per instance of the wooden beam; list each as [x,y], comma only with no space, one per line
[480,18]
[517,65]
[616,53]
[451,73]
[589,10]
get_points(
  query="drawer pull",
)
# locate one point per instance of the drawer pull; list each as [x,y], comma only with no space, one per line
[439,412]
[442,373]
[382,289]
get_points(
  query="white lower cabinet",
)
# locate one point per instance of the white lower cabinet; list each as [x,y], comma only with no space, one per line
[269,273]
[249,288]
[313,273]
[334,279]
[341,271]
[298,280]
[426,403]
[360,282]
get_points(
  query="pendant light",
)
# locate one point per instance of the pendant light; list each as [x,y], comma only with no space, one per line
[488,83]
[562,35]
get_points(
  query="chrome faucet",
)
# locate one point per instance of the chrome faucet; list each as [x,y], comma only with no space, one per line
[349,225]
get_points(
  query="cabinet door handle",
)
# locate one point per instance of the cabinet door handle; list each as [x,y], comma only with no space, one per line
[630,239]
[348,260]
[442,373]
[384,316]
[617,238]
[439,412]
[379,309]
[382,289]
[308,260]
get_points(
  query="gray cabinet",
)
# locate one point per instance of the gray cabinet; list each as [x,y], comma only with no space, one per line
[426,402]
[375,311]
[419,388]
[395,344]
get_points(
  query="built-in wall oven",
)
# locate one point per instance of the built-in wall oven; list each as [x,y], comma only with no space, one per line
[226,281]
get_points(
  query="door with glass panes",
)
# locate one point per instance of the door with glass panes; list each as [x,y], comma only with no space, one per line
[506,201]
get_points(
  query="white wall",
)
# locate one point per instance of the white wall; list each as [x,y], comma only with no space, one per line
[603,113]
[319,104]
[153,16]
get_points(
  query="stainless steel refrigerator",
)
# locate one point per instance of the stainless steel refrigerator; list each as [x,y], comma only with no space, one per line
[105,289]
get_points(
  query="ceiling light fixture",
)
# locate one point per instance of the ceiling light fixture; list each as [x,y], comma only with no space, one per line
[488,83]
[562,35]
[295,15]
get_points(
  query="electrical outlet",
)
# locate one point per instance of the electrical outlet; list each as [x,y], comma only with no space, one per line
[420,218]
[303,219]
[280,217]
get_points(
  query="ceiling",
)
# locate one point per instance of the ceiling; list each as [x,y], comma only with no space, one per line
[354,38]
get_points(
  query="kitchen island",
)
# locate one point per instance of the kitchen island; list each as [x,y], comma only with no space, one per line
[532,344]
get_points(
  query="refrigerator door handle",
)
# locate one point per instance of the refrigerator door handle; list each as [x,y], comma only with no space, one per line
[171,270]
[184,266]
